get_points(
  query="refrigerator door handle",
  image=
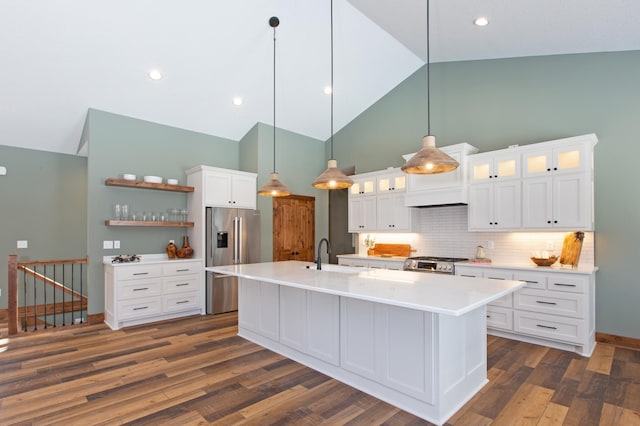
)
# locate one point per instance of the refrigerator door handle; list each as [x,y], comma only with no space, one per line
[235,240]
[240,238]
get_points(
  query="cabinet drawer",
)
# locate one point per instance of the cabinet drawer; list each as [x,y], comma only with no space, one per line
[504,301]
[140,288]
[549,326]
[139,308]
[568,284]
[501,318]
[180,302]
[180,284]
[532,280]
[138,271]
[181,267]
[555,303]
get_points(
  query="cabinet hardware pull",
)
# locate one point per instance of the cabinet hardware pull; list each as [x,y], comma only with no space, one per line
[182,270]
[488,316]
[140,273]
[542,302]
[181,302]
[141,289]
[496,278]
[140,308]
[564,285]
[181,284]
[531,282]
[546,326]
[470,276]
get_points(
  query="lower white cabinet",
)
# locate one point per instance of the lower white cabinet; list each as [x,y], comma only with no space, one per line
[555,308]
[141,293]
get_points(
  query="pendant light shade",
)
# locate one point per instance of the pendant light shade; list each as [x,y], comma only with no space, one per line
[274,188]
[332,178]
[429,160]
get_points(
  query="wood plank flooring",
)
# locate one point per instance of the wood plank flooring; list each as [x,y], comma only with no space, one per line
[196,371]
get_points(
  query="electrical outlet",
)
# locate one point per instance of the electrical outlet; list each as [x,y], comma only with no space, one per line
[172,241]
[116,244]
[107,245]
[549,244]
[22,244]
[490,244]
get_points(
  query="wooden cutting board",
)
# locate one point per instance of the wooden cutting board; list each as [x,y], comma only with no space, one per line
[571,248]
[402,250]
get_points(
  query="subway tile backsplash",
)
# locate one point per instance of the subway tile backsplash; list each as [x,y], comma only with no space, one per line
[444,233]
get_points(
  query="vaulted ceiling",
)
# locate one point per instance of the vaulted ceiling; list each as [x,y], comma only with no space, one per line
[60,58]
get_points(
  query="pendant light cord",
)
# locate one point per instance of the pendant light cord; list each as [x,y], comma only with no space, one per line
[332,79]
[428,77]
[274,25]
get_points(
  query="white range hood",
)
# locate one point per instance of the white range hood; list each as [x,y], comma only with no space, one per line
[441,189]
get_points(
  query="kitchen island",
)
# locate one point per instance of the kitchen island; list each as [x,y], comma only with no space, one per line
[415,340]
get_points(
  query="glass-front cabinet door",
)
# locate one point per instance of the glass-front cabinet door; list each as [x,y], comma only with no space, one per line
[567,159]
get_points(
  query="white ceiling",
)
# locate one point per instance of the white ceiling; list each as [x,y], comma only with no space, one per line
[60,58]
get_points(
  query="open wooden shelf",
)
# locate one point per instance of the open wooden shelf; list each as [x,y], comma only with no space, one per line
[147,185]
[115,222]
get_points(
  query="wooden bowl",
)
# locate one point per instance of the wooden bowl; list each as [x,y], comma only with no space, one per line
[544,262]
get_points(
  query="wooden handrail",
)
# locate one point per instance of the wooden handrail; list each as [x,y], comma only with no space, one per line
[50,262]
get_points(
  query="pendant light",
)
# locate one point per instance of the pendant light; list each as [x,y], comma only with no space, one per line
[429,160]
[274,188]
[332,178]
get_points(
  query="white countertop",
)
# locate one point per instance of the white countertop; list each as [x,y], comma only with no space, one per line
[443,294]
[146,259]
[530,266]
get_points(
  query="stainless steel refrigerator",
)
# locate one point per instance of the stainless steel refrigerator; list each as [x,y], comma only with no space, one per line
[233,237]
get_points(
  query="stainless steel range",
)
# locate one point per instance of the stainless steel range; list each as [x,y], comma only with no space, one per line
[434,264]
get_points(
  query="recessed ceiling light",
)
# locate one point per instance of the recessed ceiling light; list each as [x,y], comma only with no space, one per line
[237,101]
[481,21]
[327,90]
[155,75]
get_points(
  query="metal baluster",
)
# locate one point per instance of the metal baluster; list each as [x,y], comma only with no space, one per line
[81,297]
[35,300]
[44,290]
[64,283]
[55,319]
[72,296]
[24,300]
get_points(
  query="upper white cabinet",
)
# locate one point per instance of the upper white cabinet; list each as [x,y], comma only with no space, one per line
[573,155]
[230,189]
[376,203]
[494,166]
[362,186]
[548,185]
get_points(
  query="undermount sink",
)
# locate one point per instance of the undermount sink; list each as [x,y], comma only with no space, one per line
[338,268]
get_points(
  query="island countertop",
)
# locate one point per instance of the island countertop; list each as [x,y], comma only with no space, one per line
[438,293]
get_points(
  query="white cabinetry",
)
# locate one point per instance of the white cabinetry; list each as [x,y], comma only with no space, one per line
[543,186]
[494,192]
[230,189]
[138,293]
[554,309]
[376,203]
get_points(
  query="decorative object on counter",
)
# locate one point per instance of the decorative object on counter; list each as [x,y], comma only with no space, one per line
[332,177]
[185,251]
[480,254]
[171,250]
[571,248]
[370,242]
[429,160]
[126,258]
[545,261]
[274,188]
[484,261]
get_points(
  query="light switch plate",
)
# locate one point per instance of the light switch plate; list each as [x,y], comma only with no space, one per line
[107,245]
[22,244]
[116,244]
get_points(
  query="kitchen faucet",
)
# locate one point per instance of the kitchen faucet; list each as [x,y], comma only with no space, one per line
[318,260]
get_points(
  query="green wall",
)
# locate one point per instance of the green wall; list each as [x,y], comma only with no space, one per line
[118,145]
[44,198]
[496,103]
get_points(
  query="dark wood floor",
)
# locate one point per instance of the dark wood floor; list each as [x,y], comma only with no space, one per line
[197,371]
